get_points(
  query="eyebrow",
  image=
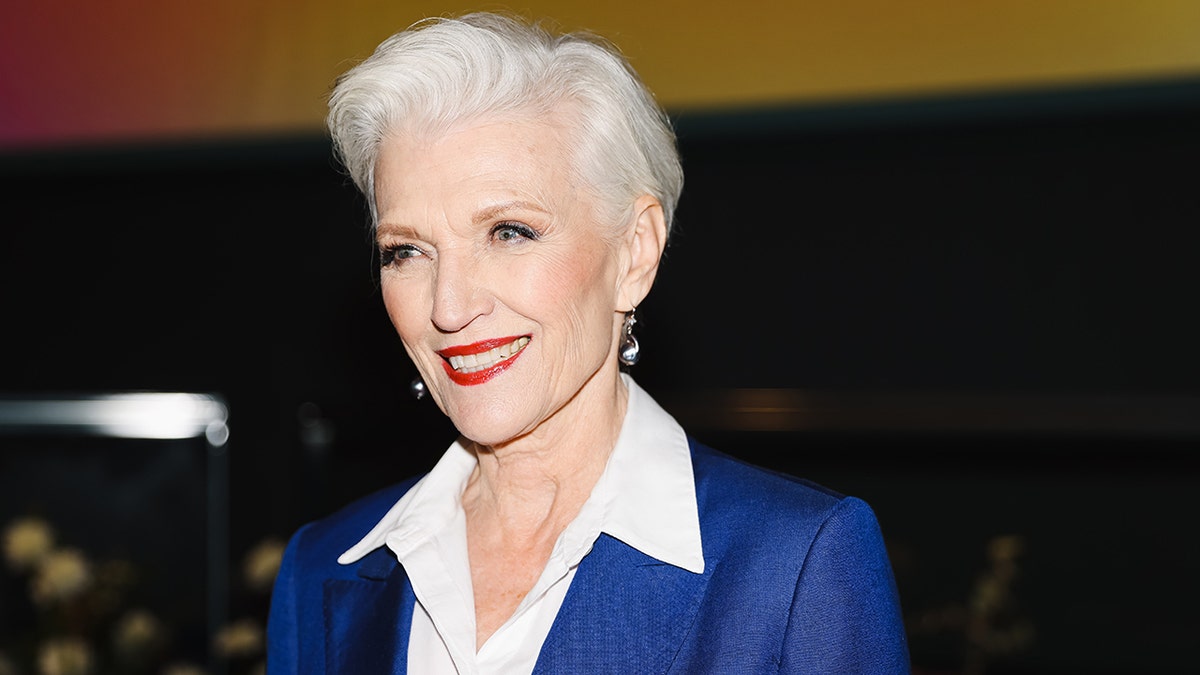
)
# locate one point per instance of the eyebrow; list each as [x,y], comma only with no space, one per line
[482,215]
[394,230]
[490,212]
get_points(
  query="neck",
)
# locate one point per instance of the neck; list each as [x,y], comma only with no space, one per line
[540,480]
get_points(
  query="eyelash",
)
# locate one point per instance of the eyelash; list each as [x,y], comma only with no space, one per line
[520,228]
[388,254]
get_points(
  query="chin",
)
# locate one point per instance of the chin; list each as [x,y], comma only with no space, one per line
[489,437]
[488,425]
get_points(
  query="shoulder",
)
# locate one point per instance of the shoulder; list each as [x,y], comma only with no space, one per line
[739,501]
[723,481]
[802,565]
[297,601]
[319,543]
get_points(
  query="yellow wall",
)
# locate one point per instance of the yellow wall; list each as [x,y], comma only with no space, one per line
[121,68]
[705,54]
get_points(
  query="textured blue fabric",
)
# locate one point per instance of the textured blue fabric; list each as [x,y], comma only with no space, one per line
[796,580]
[325,616]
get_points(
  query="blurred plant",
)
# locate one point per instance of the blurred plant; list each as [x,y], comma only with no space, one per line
[60,576]
[67,601]
[994,626]
[26,542]
[65,656]
[240,639]
[989,620]
[243,641]
[82,622]
[262,564]
[138,638]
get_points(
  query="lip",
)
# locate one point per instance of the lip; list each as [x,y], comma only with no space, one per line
[479,376]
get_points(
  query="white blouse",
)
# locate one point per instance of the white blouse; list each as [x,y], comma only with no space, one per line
[646,497]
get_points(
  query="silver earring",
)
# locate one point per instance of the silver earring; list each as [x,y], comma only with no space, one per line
[417,388]
[630,350]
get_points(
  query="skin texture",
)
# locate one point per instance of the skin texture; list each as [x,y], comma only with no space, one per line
[486,233]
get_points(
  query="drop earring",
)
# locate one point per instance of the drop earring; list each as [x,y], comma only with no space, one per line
[630,350]
[417,388]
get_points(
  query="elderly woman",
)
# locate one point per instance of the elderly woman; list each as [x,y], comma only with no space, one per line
[522,187]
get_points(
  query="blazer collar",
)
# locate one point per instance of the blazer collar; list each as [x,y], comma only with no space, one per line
[368,619]
[625,612]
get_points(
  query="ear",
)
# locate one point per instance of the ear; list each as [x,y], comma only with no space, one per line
[644,244]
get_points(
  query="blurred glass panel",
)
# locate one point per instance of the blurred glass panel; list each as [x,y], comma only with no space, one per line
[114,510]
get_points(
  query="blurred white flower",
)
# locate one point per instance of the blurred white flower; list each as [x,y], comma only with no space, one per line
[241,638]
[262,564]
[65,656]
[138,634]
[26,542]
[62,575]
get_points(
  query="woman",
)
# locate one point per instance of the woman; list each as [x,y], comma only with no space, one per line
[522,187]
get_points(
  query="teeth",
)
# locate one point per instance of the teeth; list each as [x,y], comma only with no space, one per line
[471,363]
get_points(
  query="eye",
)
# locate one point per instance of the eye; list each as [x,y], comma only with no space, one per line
[395,255]
[513,232]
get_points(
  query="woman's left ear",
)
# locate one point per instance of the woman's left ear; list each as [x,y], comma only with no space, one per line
[644,244]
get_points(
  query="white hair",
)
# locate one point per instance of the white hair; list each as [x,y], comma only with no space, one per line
[442,72]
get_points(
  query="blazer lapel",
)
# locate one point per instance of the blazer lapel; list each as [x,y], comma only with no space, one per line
[372,613]
[625,612]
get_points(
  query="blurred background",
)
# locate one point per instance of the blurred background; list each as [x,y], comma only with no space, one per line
[938,255]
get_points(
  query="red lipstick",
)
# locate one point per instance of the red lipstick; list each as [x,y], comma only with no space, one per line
[481,347]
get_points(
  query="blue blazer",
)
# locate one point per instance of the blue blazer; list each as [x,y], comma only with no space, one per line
[796,580]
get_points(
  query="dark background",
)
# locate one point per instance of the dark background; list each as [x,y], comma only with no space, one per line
[978,314]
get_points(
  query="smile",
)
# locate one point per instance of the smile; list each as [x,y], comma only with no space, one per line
[481,361]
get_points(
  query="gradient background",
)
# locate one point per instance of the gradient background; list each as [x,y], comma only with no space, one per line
[129,70]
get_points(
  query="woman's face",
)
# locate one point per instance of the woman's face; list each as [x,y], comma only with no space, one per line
[497,276]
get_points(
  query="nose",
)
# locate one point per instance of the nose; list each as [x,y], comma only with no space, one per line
[459,292]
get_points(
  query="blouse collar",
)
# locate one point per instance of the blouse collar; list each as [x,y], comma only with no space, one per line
[646,496]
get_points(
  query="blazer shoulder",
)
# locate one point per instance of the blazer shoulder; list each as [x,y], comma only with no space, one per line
[325,539]
[738,501]
[723,477]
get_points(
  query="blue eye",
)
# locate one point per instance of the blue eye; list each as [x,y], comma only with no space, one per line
[511,232]
[394,255]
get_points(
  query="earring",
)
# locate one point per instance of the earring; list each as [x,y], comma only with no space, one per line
[417,388]
[630,350]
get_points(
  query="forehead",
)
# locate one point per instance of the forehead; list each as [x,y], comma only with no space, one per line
[525,157]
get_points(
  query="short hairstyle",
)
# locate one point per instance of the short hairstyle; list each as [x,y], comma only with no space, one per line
[440,72]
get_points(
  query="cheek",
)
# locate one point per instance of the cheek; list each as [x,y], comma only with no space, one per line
[572,295]
[405,308]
